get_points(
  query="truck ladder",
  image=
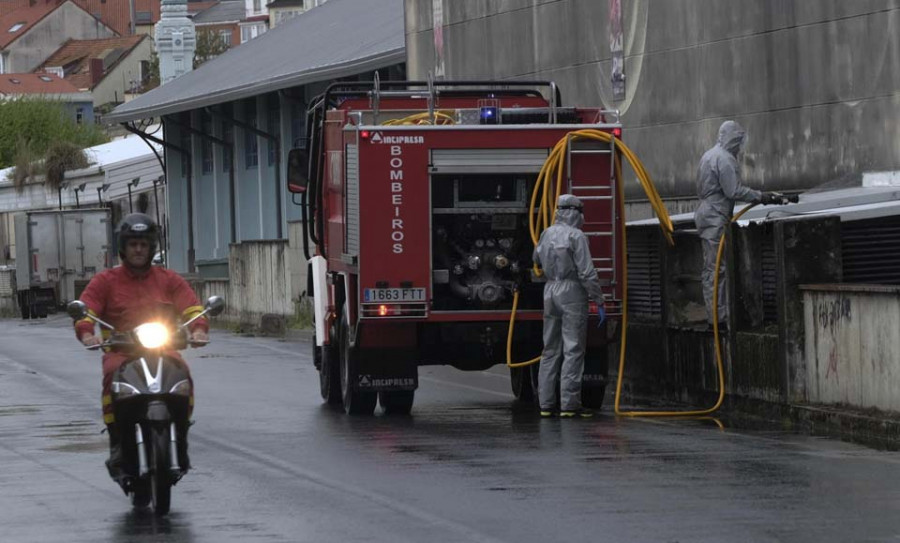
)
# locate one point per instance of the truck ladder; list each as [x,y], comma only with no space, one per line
[599,198]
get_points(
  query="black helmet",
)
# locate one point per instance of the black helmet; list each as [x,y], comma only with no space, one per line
[137,225]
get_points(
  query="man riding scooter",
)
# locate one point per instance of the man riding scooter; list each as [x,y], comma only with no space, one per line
[128,295]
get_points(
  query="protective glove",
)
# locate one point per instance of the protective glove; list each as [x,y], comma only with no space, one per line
[770,198]
[601,312]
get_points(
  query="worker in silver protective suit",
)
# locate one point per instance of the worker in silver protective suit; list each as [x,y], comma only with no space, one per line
[564,255]
[719,186]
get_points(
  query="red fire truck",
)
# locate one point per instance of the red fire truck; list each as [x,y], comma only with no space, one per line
[417,197]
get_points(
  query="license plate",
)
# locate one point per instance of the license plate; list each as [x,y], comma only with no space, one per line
[394,295]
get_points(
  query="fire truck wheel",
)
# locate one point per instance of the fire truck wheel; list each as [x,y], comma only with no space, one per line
[397,402]
[592,397]
[533,372]
[329,374]
[316,352]
[356,402]
[520,379]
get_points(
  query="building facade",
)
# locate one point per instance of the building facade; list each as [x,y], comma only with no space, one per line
[814,83]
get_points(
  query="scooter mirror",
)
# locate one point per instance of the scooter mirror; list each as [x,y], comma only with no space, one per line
[215,305]
[77,310]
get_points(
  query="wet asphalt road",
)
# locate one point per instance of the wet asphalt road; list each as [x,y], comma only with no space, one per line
[273,464]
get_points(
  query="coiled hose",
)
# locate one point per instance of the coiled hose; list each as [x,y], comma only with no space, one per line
[543,203]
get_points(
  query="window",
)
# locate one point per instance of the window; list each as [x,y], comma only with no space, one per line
[206,150]
[273,126]
[248,32]
[226,37]
[251,144]
[2,63]
[79,115]
[16,27]
[143,17]
[45,78]
[257,6]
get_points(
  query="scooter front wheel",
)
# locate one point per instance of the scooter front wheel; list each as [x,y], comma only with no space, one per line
[160,466]
[141,495]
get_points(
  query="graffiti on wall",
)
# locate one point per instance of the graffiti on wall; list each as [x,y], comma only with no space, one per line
[617,50]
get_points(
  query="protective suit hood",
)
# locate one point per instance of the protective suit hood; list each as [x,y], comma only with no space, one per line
[568,211]
[731,137]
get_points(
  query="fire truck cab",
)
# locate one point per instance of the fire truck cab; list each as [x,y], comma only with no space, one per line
[416,199]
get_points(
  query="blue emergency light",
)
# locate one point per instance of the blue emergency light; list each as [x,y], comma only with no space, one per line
[490,115]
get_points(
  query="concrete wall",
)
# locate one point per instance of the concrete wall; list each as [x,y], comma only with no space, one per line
[853,345]
[261,282]
[66,22]
[671,352]
[119,80]
[815,83]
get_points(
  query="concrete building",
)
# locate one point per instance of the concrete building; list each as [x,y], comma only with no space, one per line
[815,83]
[224,18]
[107,68]
[175,40]
[283,10]
[31,34]
[116,14]
[231,122]
[78,104]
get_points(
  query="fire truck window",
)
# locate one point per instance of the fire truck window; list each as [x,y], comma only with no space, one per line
[442,193]
[487,189]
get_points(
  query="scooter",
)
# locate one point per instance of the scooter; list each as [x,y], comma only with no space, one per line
[151,395]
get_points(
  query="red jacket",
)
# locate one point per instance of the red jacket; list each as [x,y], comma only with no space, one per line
[125,300]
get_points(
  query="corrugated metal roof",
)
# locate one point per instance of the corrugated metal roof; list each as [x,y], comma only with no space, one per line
[337,39]
[850,204]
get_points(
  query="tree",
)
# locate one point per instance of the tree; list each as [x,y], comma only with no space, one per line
[39,137]
[210,44]
[151,77]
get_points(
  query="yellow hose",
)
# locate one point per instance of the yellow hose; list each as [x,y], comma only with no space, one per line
[537,224]
[440,117]
[512,318]
[719,364]
[554,166]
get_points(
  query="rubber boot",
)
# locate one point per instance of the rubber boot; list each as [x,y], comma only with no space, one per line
[114,462]
[183,459]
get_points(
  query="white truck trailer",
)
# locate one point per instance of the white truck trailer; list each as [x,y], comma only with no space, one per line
[57,254]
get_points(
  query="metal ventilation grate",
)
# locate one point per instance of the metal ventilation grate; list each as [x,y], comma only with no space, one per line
[644,277]
[871,251]
[769,281]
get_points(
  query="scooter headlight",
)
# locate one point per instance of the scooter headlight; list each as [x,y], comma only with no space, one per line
[152,335]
